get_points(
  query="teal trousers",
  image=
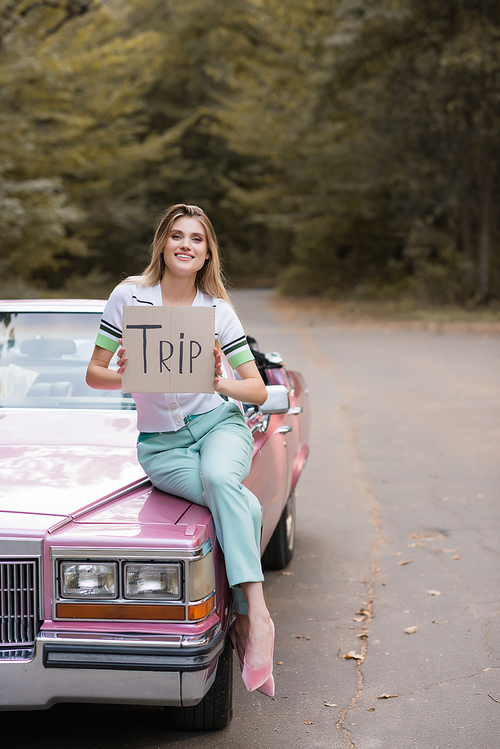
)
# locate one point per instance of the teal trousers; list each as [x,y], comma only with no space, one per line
[205,462]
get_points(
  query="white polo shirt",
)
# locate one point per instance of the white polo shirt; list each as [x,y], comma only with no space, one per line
[165,412]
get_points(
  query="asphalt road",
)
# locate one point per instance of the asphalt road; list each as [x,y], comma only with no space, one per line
[397,557]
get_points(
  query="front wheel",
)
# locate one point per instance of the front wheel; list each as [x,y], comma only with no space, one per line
[280,548]
[216,708]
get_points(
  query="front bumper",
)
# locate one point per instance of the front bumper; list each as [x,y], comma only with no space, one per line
[136,670]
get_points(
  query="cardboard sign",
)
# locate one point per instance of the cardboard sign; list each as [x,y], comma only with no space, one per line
[169,349]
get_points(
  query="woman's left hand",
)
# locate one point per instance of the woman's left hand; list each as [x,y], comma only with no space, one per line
[218,367]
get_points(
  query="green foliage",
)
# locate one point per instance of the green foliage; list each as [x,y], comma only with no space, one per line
[342,146]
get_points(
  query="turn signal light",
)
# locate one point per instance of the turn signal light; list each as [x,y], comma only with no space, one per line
[119,611]
[201,610]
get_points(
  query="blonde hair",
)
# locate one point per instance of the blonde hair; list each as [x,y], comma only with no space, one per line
[209,279]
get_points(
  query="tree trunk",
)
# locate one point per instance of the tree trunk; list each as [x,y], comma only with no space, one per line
[466,236]
[485,242]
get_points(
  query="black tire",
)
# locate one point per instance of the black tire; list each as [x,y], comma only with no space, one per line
[280,548]
[216,708]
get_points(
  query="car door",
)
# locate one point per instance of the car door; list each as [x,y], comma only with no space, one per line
[271,474]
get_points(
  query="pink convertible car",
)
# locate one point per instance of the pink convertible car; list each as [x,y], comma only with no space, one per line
[110,590]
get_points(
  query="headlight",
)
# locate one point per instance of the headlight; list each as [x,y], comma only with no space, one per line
[159,582]
[84,580]
[201,578]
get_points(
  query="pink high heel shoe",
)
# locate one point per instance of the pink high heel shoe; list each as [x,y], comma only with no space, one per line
[267,687]
[260,679]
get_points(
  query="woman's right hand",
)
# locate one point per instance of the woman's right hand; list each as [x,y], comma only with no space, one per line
[122,359]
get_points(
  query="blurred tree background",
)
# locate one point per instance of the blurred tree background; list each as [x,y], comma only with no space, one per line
[341,147]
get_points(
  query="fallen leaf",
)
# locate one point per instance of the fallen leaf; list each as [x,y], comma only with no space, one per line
[444,499]
[433,592]
[308,722]
[279,663]
[480,496]
[362,634]
[358,619]
[405,561]
[426,535]
[288,573]
[363,612]
[457,556]
[486,669]
[411,630]
[397,553]
[448,551]
[370,710]
[386,696]
[355,656]
[415,544]
[330,704]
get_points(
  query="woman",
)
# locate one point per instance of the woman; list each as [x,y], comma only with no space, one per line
[194,445]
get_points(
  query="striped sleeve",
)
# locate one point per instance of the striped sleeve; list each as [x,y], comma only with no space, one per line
[231,336]
[237,352]
[110,329]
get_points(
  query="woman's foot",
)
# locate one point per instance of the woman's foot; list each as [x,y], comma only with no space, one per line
[259,677]
[254,635]
[238,632]
[259,640]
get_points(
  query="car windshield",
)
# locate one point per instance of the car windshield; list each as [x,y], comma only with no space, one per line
[44,358]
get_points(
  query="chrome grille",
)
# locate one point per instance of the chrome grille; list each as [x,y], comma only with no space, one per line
[18,602]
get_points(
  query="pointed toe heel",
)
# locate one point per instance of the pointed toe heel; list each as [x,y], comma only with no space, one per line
[253,678]
[260,679]
[268,687]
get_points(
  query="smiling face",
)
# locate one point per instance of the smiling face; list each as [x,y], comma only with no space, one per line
[186,248]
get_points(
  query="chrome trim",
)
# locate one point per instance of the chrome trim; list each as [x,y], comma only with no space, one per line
[19,602]
[100,503]
[18,550]
[202,600]
[20,547]
[203,639]
[54,307]
[123,555]
[295,411]
[133,654]
[32,686]
[17,654]
[262,425]
[109,638]
[283,429]
[120,552]
[278,400]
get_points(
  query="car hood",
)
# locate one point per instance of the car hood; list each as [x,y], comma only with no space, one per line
[54,463]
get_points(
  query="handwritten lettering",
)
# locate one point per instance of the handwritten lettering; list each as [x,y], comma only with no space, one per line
[144,328]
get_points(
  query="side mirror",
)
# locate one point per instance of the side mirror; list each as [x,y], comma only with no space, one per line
[278,400]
